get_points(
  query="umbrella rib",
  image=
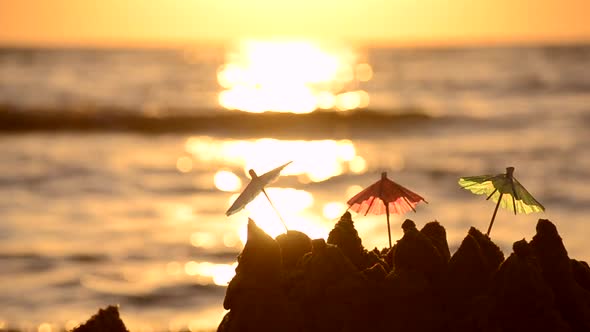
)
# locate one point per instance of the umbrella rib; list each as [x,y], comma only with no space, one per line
[514,204]
[514,194]
[493,192]
[409,204]
[370,204]
[410,193]
[514,189]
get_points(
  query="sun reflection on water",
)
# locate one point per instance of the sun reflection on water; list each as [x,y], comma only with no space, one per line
[312,161]
[221,274]
[70,324]
[184,164]
[227,181]
[334,210]
[290,202]
[292,76]
[45,327]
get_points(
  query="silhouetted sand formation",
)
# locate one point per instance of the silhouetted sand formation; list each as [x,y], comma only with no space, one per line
[334,291]
[372,266]
[467,281]
[490,250]
[465,285]
[346,238]
[438,235]
[581,272]
[255,296]
[520,299]
[415,251]
[294,245]
[413,300]
[573,301]
[104,320]
[295,284]
[537,287]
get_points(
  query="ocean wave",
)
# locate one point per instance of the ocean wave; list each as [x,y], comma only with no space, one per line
[176,295]
[150,294]
[31,261]
[14,120]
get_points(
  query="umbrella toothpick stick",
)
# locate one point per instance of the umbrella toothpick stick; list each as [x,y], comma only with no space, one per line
[388,227]
[277,211]
[494,215]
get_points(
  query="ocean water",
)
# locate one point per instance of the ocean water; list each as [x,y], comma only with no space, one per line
[116,167]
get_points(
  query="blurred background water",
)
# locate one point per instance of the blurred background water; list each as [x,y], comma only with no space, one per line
[117,165]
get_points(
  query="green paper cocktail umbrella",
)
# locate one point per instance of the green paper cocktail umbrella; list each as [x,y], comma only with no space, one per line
[503,189]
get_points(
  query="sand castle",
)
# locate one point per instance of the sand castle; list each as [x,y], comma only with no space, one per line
[297,284]
[338,285]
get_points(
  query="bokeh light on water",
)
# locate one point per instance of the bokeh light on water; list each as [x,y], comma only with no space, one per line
[292,76]
[312,160]
[227,181]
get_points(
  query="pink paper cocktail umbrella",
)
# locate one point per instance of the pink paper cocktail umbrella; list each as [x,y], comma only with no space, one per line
[385,197]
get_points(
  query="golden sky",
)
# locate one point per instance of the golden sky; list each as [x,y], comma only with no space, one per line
[161,22]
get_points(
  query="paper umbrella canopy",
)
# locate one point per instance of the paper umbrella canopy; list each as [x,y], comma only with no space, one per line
[385,197]
[254,187]
[503,189]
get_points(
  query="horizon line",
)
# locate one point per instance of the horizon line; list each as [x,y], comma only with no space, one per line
[365,43]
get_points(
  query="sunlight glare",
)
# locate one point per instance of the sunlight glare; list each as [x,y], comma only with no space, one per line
[203,239]
[364,98]
[346,150]
[146,328]
[288,201]
[227,181]
[353,190]
[288,76]
[176,325]
[177,212]
[173,268]
[315,161]
[312,161]
[305,223]
[334,210]
[45,327]
[220,274]
[311,226]
[230,240]
[184,164]
[364,72]
[325,100]
[69,325]
[348,100]
[358,165]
